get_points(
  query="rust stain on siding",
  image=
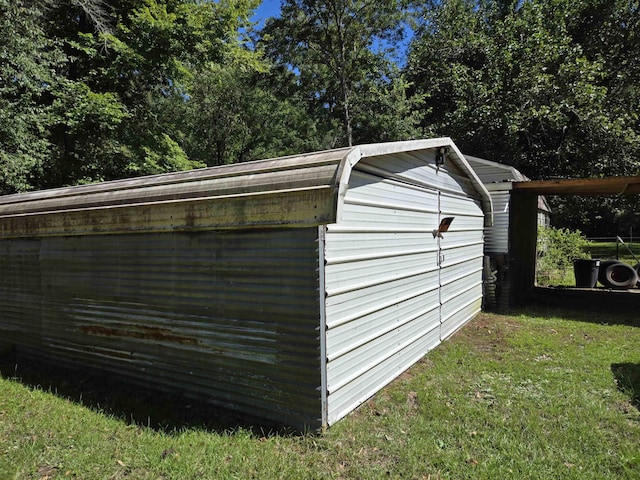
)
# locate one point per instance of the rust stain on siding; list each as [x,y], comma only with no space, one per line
[143,332]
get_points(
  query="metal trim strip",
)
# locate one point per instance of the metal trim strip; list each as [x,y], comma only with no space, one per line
[322,333]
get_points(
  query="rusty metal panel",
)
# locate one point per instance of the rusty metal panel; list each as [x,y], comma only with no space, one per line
[231,318]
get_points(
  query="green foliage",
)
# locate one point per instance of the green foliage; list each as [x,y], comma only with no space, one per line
[90,90]
[94,91]
[331,47]
[556,250]
[165,155]
[598,216]
[547,87]
[27,62]
[612,249]
[518,83]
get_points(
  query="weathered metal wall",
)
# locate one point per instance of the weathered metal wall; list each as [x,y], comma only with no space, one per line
[297,325]
[230,318]
[393,291]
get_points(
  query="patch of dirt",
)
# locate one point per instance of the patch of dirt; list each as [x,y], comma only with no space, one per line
[488,332]
[412,400]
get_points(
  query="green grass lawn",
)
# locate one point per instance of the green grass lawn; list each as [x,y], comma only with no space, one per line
[609,250]
[534,395]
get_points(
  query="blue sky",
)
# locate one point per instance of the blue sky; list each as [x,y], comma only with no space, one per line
[271,8]
[268,8]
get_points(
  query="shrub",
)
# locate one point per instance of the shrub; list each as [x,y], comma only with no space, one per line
[557,249]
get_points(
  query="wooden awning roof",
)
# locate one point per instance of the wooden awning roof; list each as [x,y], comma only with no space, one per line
[582,186]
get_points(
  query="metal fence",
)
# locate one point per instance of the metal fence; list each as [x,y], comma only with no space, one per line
[626,249]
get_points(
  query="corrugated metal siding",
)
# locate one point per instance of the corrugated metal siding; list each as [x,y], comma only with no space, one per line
[497,237]
[231,318]
[383,281]
[418,168]
[462,256]
[20,292]
[137,276]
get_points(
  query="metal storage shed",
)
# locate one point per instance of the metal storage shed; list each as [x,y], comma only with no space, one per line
[499,178]
[292,289]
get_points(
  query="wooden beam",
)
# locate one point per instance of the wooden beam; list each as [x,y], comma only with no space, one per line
[582,186]
[523,235]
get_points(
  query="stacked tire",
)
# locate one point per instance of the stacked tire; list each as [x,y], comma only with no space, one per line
[618,275]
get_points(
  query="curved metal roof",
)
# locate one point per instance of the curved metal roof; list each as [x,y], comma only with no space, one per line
[494,172]
[298,190]
[499,177]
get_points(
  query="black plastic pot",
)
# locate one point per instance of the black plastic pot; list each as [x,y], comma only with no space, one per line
[586,272]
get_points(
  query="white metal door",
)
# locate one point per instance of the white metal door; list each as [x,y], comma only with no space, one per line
[460,252]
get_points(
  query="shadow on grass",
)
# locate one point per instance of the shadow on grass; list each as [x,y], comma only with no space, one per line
[628,380]
[106,393]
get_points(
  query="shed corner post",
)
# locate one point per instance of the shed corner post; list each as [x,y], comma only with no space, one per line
[322,330]
[523,235]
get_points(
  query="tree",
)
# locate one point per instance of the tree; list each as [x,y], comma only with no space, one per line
[117,79]
[27,59]
[90,87]
[548,87]
[340,51]
[233,114]
[509,81]
[35,95]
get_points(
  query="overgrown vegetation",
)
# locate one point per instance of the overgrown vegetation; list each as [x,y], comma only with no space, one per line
[557,248]
[537,395]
